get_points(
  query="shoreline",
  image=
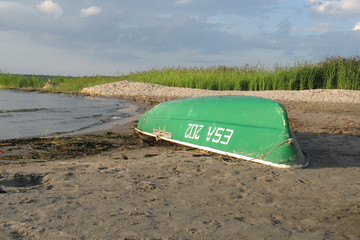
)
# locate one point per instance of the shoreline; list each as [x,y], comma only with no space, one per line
[145,189]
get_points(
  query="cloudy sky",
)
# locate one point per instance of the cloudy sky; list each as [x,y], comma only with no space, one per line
[109,37]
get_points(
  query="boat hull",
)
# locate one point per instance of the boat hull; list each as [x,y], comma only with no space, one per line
[250,128]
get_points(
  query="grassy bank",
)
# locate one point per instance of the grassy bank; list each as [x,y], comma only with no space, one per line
[60,83]
[330,73]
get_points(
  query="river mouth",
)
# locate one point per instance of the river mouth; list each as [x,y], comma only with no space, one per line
[32,114]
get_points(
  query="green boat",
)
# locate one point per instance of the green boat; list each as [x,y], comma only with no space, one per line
[249,128]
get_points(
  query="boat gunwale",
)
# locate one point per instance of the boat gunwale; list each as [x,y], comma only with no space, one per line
[247,158]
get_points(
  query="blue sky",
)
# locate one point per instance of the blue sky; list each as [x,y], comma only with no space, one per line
[109,37]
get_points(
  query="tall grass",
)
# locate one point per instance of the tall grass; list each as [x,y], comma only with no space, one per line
[330,73]
[60,83]
[77,83]
[8,80]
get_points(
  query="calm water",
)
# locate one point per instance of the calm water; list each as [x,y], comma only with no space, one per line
[27,114]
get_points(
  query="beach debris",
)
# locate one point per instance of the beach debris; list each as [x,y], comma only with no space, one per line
[45,149]
[48,84]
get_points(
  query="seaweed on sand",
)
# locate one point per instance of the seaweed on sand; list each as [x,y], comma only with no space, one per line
[44,149]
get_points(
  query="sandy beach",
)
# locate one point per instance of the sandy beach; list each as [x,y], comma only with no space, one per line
[134,188]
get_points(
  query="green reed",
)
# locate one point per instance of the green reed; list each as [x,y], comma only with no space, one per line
[8,80]
[330,73]
[69,83]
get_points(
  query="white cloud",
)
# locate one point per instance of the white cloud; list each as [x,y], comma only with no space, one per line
[90,11]
[322,27]
[12,8]
[4,6]
[182,1]
[357,27]
[50,8]
[334,8]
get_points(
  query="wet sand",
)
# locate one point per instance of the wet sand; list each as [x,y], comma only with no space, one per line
[134,188]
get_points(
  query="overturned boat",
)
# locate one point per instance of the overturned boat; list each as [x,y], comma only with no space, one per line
[249,128]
